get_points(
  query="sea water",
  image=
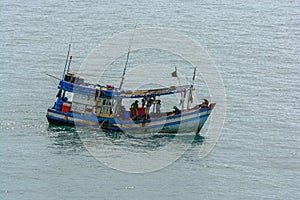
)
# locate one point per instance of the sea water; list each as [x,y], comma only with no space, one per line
[254,44]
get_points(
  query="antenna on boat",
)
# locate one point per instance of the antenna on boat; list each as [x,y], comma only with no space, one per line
[65,69]
[69,63]
[128,53]
[190,98]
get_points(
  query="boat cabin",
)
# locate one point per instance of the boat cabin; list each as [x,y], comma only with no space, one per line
[78,96]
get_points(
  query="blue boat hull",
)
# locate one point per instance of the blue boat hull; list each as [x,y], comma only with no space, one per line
[188,121]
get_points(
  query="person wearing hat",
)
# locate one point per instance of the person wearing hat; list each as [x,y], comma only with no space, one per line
[134,107]
[158,106]
[176,110]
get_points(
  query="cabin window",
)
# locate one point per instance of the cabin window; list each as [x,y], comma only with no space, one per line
[89,109]
[69,96]
[98,110]
[77,107]
[104,106]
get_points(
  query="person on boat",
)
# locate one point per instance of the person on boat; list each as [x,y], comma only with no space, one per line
[121,112]
[143,102]
[176,110]
[143,106]
[134,107]
[205,103]
[149,103]
[158,106]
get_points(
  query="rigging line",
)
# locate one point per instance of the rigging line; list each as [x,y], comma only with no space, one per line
[52,76]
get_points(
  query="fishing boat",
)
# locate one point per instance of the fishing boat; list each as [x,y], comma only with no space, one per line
[80,103]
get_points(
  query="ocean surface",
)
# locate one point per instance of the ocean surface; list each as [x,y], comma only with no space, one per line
[254,44]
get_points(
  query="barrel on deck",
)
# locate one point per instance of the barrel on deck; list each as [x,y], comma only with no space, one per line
[66,107]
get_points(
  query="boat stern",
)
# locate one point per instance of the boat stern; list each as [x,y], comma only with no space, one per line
[58,118]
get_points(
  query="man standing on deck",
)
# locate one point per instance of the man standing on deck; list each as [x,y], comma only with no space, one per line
[134,107]
[158,106]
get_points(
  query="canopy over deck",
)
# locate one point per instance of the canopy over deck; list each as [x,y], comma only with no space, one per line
[152,92]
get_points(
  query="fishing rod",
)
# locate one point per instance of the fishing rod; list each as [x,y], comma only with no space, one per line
[128,53]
